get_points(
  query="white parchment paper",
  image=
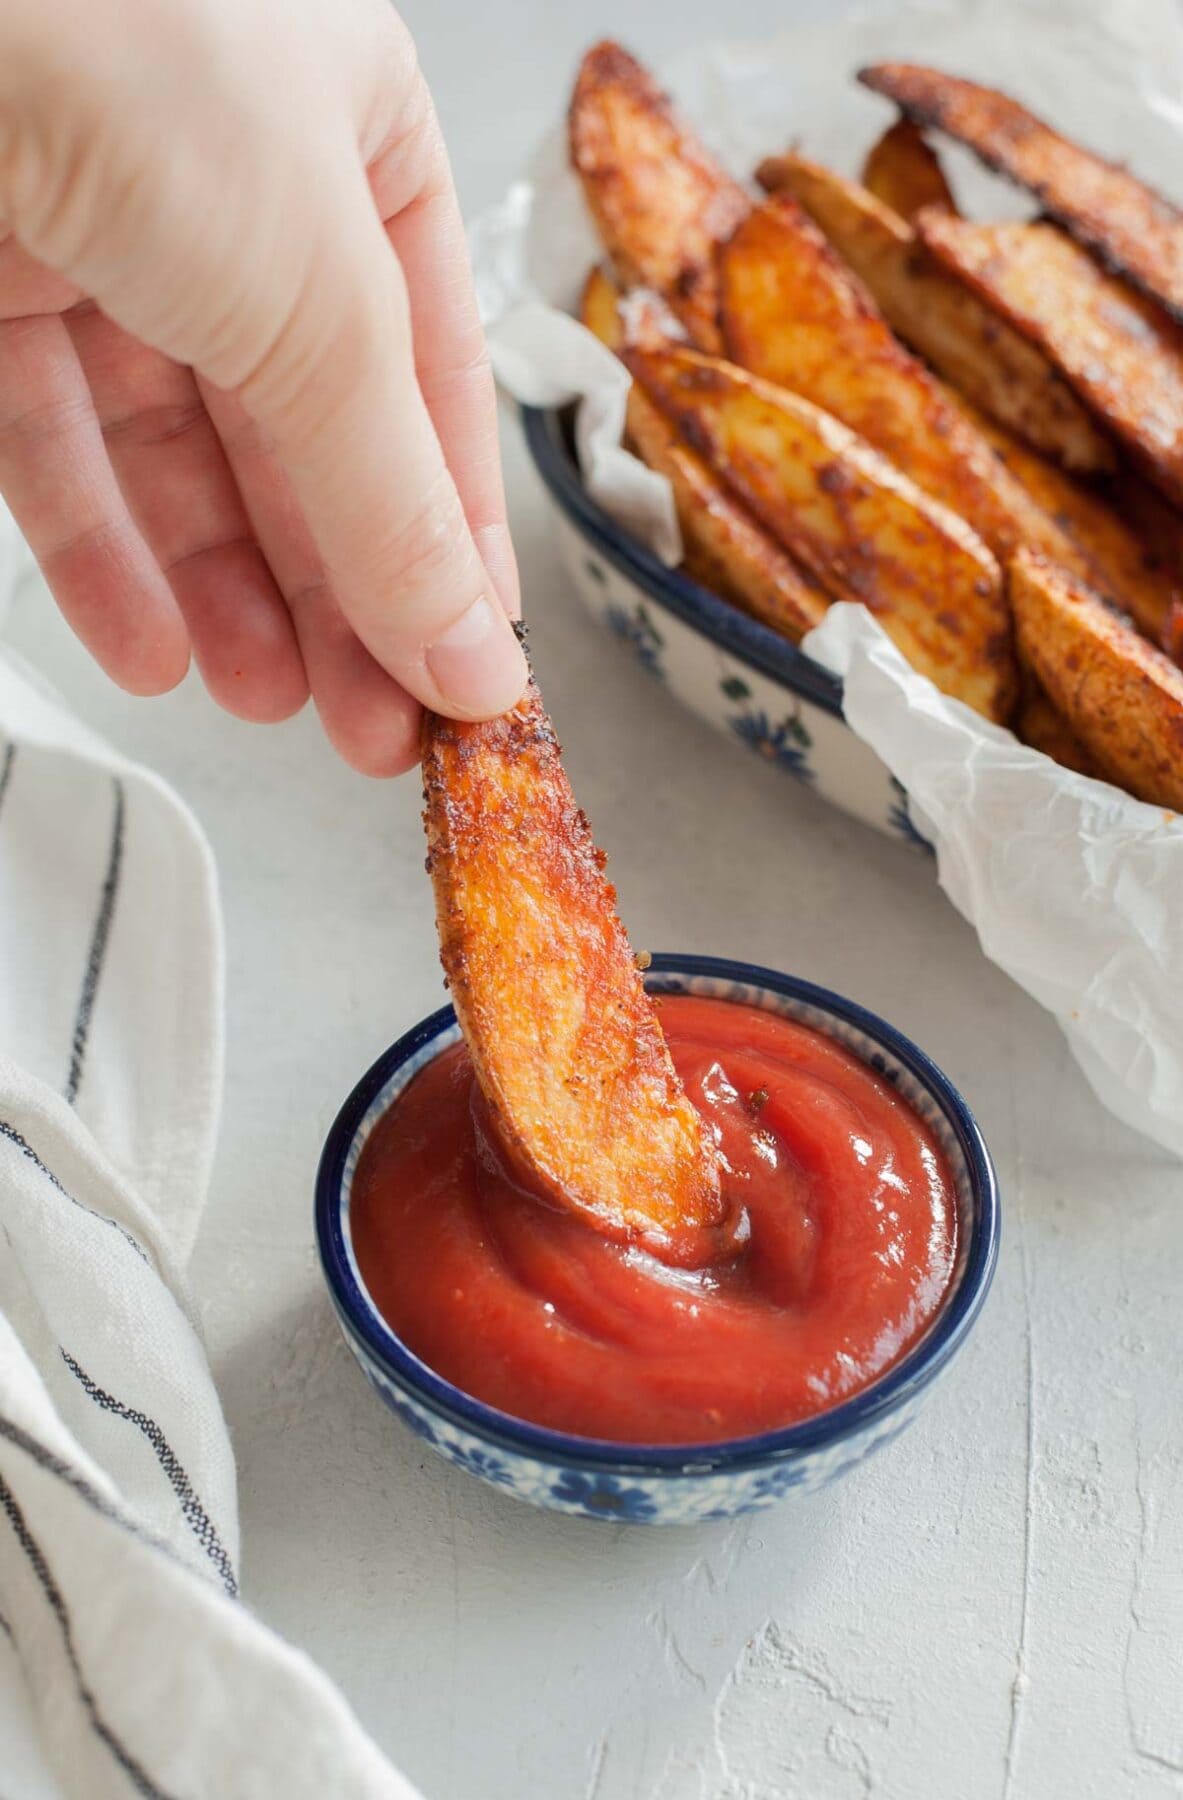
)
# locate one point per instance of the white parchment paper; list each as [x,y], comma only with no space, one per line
[1075,889]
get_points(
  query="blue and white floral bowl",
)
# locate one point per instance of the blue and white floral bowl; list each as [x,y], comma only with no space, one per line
[753,685]
[659,1484]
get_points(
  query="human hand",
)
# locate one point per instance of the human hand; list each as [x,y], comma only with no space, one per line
[245,405]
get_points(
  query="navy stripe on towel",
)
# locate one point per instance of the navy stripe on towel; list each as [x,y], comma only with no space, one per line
[98,947]
[195,1515]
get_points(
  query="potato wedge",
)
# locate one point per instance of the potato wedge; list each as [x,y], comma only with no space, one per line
[903,170]
[565,1042]
[725,549]
[1039,725]
[1117,558]
[957,334]
[1120,696]
[661,204]
[795,314]
[1130,227]
[1121,352]
[863,530]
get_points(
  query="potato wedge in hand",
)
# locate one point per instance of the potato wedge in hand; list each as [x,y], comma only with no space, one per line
[795,314]
[660,202]
[1130,227]
[904,171]
[1122,698]
[960,336]
[1121,352]
[565,1042]
[863,530]
[725,549]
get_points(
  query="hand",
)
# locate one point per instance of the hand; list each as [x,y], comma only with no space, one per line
[245,405]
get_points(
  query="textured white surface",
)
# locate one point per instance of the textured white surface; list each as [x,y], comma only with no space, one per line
[993,1609]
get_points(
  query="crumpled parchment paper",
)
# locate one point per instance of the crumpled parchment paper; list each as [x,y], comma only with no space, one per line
[1075,889]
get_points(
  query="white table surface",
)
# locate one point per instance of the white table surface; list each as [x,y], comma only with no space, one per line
[993,1608]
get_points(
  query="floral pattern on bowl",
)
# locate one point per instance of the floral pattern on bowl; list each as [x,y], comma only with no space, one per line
[663,1484]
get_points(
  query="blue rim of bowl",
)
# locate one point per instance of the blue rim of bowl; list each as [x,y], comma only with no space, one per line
[898,1384]
[717,619]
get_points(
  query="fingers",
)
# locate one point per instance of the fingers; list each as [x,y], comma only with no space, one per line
[412,186]
[58,482]
[27,286]
[337,392]
[371,721]
[171,468]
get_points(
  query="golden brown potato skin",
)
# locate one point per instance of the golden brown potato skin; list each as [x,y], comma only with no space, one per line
[795,314]
[863,530]
[565,1042]
[962,338]
[1121,352]
[904,171]
[1122,698]
[661,204]
[1038,724]
[725,549]
[1122,561]
[1131,228]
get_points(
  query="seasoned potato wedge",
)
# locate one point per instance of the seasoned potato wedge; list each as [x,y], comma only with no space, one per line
[1038,724]
[1131,228]
[1120,696]
[1121,352]
[725,549]
[639,317]
[1117,558]
[795,314]
[565,1042]
[903,170]
[661,204]
[961,337]
[848,516]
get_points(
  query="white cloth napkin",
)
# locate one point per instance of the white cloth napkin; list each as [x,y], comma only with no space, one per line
[127,1664]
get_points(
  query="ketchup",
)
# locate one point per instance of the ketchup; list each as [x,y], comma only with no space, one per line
[844,1251]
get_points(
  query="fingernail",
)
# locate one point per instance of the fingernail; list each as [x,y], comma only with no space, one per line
[496,551]
[477,663]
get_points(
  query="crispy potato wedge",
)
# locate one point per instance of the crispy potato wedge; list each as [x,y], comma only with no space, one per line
[1121,352]
[1115,557]
[1039,725]
[961,337]
[1157,523]
[862,529]
[904,171]
[565,1042]
[1130,227]
[795,314]
[725,549]
[1120,696]
[661,204]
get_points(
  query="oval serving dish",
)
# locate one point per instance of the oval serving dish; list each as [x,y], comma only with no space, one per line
[751,684]
[663,1484]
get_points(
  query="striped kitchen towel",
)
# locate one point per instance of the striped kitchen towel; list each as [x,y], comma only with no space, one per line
[127,1663]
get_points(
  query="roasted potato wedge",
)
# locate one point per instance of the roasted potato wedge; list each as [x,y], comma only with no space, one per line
[904,171]
[1121,352]
[565,1042]
[1131,228]
[1122,698]
[795,314]
[957,334]
[863,530]
[1039,725]
[725,549]
[661,204]
[1113,556]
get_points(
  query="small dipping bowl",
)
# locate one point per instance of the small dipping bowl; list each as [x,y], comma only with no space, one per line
[664,1484]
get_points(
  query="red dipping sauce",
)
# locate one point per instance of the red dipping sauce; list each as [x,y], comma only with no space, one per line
[847,1254]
